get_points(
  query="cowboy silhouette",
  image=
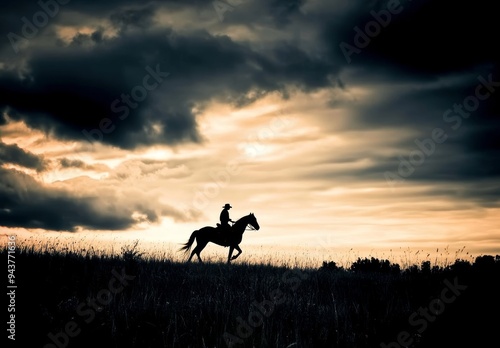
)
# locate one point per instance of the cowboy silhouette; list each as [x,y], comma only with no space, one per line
[225,219]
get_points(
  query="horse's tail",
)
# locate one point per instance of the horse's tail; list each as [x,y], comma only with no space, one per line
[187,246]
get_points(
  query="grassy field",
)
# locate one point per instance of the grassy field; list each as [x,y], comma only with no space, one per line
[79,299]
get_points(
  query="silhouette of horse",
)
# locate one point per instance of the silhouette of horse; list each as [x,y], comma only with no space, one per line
[210,234]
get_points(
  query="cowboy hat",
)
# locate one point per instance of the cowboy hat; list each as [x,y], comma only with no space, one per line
[227,206]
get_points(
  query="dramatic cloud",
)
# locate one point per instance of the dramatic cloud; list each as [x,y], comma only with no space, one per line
[132,113]
[142,87]
[30,204]
[70,163]
[15,155]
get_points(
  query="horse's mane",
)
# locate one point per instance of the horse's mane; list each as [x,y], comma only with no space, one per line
[240,220]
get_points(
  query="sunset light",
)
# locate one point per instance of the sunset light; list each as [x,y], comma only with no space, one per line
[271,135]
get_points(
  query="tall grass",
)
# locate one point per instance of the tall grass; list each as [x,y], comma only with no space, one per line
[176,304]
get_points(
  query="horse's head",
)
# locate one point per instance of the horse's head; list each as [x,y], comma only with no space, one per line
[252,220]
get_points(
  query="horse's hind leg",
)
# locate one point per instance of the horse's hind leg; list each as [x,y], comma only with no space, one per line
[231,248]
[198,250]
[192,254]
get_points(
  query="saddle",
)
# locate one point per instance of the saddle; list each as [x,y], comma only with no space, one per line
[222,228]
[223,232]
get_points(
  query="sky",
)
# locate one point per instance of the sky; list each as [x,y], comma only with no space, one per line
[340,124]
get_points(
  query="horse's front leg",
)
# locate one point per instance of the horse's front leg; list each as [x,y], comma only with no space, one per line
[237,247]
[231,248]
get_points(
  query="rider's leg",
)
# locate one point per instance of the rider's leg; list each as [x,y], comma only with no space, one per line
[225,232]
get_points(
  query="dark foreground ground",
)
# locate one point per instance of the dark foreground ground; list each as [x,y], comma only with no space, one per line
[69,300]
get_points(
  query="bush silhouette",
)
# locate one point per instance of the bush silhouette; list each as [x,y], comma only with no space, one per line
[374,265]
[330,266]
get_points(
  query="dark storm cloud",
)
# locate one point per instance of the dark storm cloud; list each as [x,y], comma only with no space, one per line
[142,17]
[15,155]
[67,90]
[74,88]
[423,106]
[425,40]
[66,163]
[15,15]
[424,37]
[24,202]
[276,13]
[426,59]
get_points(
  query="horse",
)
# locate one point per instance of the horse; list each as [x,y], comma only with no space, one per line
[210,234]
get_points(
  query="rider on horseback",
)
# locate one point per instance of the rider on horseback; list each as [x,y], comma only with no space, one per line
[224,221]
